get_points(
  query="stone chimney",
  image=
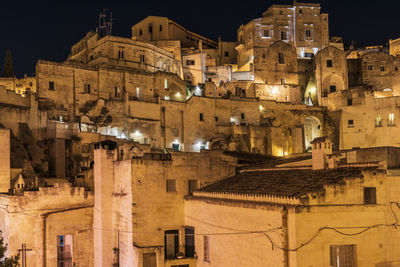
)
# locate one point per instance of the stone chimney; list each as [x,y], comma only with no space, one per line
[321,148]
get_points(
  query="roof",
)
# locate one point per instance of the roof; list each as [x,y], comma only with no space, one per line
[274,161]
[284,182]
[319,140]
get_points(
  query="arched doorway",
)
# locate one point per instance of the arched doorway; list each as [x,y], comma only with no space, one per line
[312,130]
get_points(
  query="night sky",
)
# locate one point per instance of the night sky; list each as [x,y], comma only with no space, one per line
[47,29]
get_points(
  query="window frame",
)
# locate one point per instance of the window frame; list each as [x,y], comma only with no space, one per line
[370,197]
[168,188]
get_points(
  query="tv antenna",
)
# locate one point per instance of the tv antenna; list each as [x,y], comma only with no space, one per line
[105,23]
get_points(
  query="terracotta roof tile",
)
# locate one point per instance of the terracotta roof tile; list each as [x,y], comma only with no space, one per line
[288,183]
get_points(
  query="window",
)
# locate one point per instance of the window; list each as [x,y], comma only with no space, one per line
[242,116]
[308,33]
[382,68]
[171,186]
[283,81]
[165,83]
[329,63]
[281,58]
[171,243]
[378,121]
[150,28]
[190,62]
[301,11]
[206,247]
[160,28]
[116,92]
[149,260]
[343,256]
[64,250]
[349,101]
[309,55]
[396,68]
[137,92]
[175,147]
[266,33]
[120,54]
[201,117]
[216,118]
[142,58]
[51,86]
[189,242]
[226,54]
[391,119]
[86,88]
[192,186]
[283,36]
[369,67]
[369,195]
[264,55]
[332,88]
[280,12]
[350,123]
[140,32]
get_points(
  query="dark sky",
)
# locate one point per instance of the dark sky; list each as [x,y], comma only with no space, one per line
[46,29]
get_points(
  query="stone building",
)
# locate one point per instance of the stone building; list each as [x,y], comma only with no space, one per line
[367,118]
[22,86]
[299,216]
[154,28]
[302,25]
[331,73]
[113,51]
[140,201]
[59,217]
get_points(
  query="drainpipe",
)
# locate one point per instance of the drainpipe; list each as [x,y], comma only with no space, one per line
[285,227]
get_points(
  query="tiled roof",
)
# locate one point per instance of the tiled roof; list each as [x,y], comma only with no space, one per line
[276,161]
[283,182]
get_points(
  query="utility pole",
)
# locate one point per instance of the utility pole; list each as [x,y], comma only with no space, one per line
[23,251]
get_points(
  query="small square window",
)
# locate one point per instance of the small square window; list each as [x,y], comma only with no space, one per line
[142,58]
[350,123]
[263,55]
[382,68]
[369,195]
[283,81]
[242,116]
[369,67]
[266,33]
[216,118]
[171,186]
[349,101]
[51,86]
[201,118]
[190,62]
[226,54]
[329,63]
[332,88]
[160,28]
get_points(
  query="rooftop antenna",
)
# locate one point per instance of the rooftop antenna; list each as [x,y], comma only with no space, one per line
[105,23]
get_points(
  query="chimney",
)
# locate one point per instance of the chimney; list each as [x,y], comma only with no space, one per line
[321,148]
